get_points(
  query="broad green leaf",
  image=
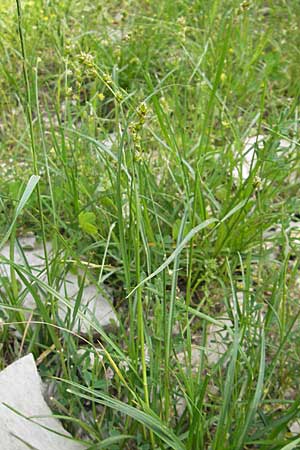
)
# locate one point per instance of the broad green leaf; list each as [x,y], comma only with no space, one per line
[87,222]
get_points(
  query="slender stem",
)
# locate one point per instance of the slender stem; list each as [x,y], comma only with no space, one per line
[34,157]
[30,122]
[140,318]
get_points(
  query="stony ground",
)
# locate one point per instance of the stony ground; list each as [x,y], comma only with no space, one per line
[149,219]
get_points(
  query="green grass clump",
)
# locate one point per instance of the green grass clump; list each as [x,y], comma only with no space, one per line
[122,128]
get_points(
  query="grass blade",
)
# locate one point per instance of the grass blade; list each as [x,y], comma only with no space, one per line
[33,181]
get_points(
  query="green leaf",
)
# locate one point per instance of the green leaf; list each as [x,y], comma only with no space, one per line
[147,418]
[15,188]
[108,442]
[87,222]
[176,252]
[257,396]
[176,228]
[33,181]
[292,445]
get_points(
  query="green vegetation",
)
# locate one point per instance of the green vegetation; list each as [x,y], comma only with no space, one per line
[122,131]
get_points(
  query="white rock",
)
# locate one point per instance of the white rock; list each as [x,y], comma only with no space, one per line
[294,231]
[95,307]
[216,346]
[110,140]
[30,254]
[249,158]
[95,304]
[20,389]
[284,144]
[295,428]
[180,405]
[217,342]
[271,239]
[183,358]
[28,241]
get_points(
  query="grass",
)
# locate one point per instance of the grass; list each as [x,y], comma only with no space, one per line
[184,245]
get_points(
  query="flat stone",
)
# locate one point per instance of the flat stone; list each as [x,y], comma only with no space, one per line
[295,428]
[217,342]
[110,140]
[294,232]
[248,160]
[28,241]
[24,420]
[183,359]
[216,346]
[95,303]
[95,307]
